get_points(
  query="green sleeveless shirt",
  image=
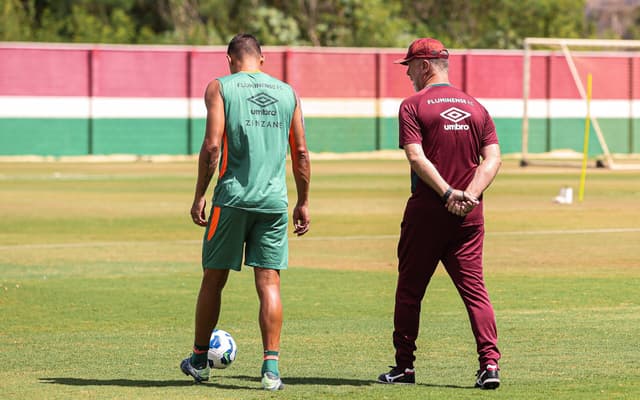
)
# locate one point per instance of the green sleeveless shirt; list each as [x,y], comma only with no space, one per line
[258,110]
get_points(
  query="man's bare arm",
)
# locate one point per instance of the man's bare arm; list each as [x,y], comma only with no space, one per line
[210,150]
[427,172]
[301,172]
[486,171]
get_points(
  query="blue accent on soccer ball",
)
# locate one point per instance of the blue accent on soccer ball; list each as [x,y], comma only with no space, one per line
[215,342]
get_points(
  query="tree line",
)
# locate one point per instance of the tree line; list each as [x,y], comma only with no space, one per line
[496,24]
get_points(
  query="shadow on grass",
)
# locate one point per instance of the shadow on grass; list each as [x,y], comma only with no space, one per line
[289,380]
[433,385]
[310,380]
[115,382]
[186,382]
[341,382]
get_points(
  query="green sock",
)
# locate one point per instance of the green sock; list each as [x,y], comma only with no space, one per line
[270,362]
[199,356]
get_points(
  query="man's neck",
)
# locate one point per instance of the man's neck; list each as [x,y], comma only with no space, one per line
[248,67]
[437,80]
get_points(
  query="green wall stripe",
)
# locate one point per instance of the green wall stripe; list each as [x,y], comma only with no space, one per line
[44,136]
[340,135]
[635,136]
[140,136]
[70,136]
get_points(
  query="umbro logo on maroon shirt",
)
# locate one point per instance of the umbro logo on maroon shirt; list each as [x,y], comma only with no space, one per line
[455,115]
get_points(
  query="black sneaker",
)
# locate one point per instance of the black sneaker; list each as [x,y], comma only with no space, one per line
[397,375]
[488,378]
[198,374]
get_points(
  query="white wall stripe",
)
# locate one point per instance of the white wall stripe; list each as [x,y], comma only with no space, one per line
[512,108]
[561,108]
[117,107]
[338,107]
[599,108]
[128,107]
[197,108]
[43,107]
[389,107]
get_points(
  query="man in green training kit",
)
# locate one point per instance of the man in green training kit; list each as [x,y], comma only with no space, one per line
[251,120]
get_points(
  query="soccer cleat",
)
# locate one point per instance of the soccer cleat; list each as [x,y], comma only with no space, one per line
[397,375]
[488,378]
[198,374]
[271,381]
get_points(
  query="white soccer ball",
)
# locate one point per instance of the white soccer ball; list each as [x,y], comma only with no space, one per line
[222,349]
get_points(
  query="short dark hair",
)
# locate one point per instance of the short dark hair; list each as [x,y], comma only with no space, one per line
[244,44]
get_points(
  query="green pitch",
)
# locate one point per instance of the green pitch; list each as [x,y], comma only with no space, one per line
[99,269]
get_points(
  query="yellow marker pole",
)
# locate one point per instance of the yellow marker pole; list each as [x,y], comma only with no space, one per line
[585,152]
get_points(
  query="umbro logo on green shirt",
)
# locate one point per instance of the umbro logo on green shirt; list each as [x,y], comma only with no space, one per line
[262,100]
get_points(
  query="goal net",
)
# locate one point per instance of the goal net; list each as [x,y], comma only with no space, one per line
[555,105]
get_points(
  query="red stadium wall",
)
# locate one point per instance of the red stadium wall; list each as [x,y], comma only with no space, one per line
[75,100]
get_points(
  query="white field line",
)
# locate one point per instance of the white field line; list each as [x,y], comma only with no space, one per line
[566,232]
[94,244]
[318,238]
[506,233]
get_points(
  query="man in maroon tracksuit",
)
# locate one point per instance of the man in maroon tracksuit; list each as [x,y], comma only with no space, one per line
[451,144]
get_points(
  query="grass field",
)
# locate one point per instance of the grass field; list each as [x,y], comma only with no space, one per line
[99,270]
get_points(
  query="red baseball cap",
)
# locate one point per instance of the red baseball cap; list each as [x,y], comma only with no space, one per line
[424,48]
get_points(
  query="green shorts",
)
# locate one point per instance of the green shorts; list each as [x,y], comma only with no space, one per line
[261,236]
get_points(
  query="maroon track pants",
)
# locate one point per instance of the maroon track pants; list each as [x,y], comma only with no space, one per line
[423,243]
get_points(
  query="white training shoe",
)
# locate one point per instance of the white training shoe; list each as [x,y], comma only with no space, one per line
[271,381]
